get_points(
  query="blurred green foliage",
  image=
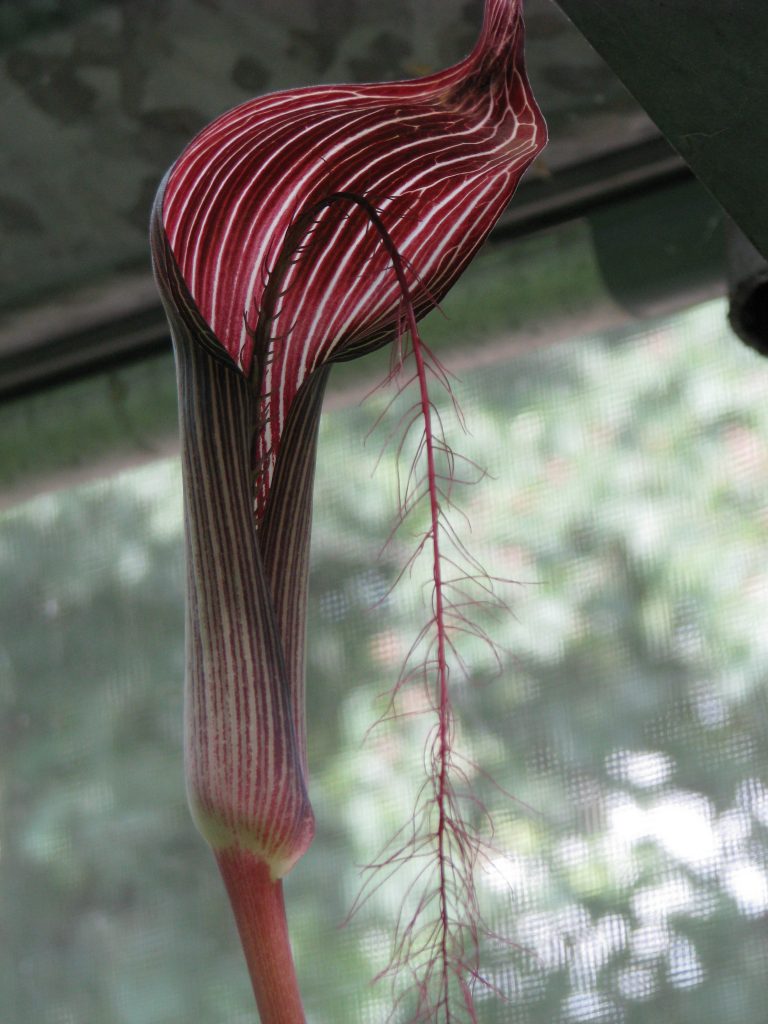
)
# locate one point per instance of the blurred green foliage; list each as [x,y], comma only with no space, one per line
[627,494]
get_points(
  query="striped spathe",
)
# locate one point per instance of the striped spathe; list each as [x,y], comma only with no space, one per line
[440,157]
[269,271]
[265,284]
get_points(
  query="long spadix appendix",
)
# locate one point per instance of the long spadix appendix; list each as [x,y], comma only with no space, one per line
[270,269]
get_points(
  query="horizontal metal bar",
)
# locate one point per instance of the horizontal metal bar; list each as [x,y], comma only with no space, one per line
[123,322]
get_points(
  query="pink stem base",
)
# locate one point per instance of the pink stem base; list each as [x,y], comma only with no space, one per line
[259,910]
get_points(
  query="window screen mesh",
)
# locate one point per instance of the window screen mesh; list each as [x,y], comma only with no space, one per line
[627,496]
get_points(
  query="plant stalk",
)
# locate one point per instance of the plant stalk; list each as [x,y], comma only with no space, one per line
[259,911]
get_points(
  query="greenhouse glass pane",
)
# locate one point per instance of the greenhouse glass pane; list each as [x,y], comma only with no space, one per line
[624,718]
